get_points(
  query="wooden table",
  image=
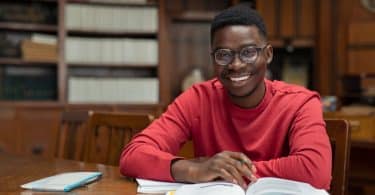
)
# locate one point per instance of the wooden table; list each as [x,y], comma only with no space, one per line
[15,171]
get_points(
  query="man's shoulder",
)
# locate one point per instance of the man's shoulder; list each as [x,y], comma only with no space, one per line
[204,89]
[208,86]
[283,88]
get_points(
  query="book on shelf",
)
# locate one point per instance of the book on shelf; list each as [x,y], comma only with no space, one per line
[263,186]
[113,90]
[28,83]
[63,182]
[111,18]
[41,52]
[112,51]
[44,38]
[28,46]
[10,43]
[24,12]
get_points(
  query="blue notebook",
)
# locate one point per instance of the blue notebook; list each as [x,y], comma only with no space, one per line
[63,182]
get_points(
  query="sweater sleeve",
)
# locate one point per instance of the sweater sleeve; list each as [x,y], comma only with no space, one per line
[310,156]
[150,152]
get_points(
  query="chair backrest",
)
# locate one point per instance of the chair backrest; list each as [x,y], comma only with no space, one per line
[109,132]
[71,136]
[339,133]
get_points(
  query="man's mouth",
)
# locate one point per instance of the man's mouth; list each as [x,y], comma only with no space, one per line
[239,78]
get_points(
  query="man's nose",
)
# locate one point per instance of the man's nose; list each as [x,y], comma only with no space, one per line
[236,64]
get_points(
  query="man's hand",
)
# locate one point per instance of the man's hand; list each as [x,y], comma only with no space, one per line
[228,166]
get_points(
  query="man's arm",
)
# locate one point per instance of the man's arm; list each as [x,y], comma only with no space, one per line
[310,156]
[150,152]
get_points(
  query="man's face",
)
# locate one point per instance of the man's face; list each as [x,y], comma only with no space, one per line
[240,78]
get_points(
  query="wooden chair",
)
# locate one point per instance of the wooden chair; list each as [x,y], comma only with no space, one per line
[339,133]
[109,132]
[71,135]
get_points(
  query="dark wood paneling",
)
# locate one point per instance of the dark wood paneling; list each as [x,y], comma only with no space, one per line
[164,70]
[38,131]
[191,43]
[287,19]
[306,18]
[8,130]
[323,73]
[360,61]
[340,26]
[362,33]
[268,10]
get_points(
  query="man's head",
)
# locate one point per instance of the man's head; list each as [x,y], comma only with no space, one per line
[240,14]
[240,53]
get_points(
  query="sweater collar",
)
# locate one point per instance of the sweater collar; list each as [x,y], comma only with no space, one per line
[247,112]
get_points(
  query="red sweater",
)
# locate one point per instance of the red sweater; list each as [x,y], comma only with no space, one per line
[284,135]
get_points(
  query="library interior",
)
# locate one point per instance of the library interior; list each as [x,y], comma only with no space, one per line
[66,62]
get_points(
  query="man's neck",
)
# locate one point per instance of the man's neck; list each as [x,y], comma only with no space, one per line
[251,100]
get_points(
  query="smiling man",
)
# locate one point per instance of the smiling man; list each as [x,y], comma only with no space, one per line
[243,126]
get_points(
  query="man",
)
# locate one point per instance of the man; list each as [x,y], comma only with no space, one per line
[243,126]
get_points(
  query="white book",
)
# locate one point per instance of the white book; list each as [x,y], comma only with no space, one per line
[118,17]
[44,39]
[150,186]
[73,16]
[84,15]
[107,50]
[63,182]
[72,50]
[264,186]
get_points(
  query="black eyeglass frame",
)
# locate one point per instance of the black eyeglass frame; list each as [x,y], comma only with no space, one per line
[234,53]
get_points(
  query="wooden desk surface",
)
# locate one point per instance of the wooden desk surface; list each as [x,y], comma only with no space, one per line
[15,171]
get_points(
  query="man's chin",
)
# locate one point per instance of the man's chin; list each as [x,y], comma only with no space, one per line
[236,94]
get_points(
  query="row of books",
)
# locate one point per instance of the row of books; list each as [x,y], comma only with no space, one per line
[113,90]
[10,43]
[112,51]
[28,46]
[32,83]
[115,1]
[23,12]
[111,18]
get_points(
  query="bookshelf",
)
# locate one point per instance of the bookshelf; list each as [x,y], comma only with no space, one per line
[104,36]
[14,26]
[24,75]
[114,41]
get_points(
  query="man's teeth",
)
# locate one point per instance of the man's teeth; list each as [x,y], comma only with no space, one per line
[236,79]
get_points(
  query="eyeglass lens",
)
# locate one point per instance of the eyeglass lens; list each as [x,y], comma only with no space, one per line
[226,56]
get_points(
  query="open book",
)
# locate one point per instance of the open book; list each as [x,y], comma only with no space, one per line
[264,186]
[150,186]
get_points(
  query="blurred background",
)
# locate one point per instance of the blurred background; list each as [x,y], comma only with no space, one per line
[138,55]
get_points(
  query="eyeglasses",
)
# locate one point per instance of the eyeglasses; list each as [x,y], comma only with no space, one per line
[247,54]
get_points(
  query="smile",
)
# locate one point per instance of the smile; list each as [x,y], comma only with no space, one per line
[241,78]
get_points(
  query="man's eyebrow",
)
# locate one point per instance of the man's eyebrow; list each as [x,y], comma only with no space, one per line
[241,46]
[248,44]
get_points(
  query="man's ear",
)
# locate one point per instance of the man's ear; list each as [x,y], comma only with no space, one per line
[268,51]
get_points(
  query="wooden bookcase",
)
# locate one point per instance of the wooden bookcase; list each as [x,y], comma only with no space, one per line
[63,68]
[30,126]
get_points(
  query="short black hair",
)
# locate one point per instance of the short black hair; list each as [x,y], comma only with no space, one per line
[240,14]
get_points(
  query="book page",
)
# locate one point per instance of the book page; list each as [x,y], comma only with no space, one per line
[273,186]
[210,188]
[152,186]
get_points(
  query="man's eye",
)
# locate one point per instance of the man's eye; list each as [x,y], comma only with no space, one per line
[223,55]
[249,52]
